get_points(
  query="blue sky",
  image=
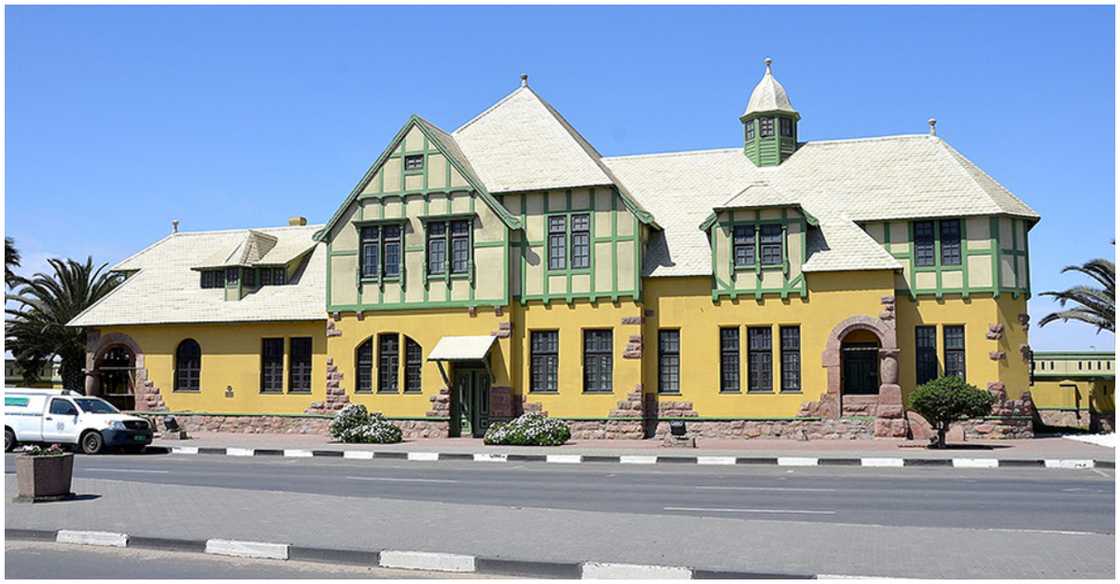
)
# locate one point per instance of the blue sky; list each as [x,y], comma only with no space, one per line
[120,119]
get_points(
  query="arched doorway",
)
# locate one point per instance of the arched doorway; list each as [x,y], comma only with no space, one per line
[859,363]
[116,376]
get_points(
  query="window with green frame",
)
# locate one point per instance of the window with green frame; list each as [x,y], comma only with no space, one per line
[757,244]
[569,241]
[449,247]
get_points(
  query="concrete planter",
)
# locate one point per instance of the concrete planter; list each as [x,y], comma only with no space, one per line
[44,478]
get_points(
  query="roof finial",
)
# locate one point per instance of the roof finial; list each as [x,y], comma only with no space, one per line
[524,80]
[174,226]
[768,61]
[933,126]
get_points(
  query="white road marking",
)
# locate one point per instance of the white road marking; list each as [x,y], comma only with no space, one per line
[427,561]
[128,470]
[397,480]
[637,459]
[789,489]
[733,510]
[605,571]
[891,462]
[729,460]
[423,456]
[102,538]
[796,461]
[1046,531]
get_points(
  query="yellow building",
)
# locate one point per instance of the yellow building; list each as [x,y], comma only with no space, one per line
[1075,390]
[779,287]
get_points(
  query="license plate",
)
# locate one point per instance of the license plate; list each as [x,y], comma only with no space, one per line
[140,438]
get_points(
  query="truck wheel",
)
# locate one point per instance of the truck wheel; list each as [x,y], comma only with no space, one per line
[9,440]
[92,442]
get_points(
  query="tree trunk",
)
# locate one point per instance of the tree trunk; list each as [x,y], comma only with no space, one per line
[73,378]
[942,429]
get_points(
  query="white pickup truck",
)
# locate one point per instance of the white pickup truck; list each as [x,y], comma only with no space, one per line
[59,416]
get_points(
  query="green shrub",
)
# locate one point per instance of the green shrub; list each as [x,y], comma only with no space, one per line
[354,424]
[531,429]
[945,400]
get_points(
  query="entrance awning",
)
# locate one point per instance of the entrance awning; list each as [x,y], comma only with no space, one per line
[462,348]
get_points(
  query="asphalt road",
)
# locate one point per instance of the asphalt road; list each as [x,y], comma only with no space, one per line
[1010,499]
[39,560]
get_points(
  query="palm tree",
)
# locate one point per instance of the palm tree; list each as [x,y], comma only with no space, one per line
[1096,305]
[11,261]
[37,328]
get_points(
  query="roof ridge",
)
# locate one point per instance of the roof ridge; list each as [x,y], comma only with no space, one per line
[867,139]
[486,111]
[672,153]
[236,229]
[960,159]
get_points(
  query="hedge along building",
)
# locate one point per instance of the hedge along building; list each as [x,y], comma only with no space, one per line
[778,288]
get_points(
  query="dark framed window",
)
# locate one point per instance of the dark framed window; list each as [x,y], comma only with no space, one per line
[363,374]
[557,242]
[413,366]
[729,359]
[923,243]
[786,127]
[233,276]
[272,365]
[413,162]
[63,407]
[391,239]
[951,242]
[750,130]
[544,359]
[299,365]
[925,343]
[954,350]
[770,244]
[371,251]
[581,241]
[460,247]
[743,244]
[212,279]
[271,276]
[437,247]
[760,362]
[188,366]
[388,362]
[669,361]
[765,127]
[598,361]
[791,357]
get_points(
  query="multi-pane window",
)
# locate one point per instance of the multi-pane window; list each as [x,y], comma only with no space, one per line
[770,244]
[233,276]
[453,235]
[750,130]
[765,127]
[669,361]
[786,127]
[743,243]
[597,361]
[759,360]
[413,365]
[925,338]
[188,366]
[729,359]
[954,350]
[272,365]
[791,357]
[388,360]
[414,162]
[299,367]
[557,242]
[951,242]
[212,279]
[381,251]
[543,360]
[581,241]
[272,276]
[923,243]
[363,357]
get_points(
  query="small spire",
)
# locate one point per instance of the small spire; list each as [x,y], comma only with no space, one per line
[174,226]
[933,126]
[524,80]
[768,62]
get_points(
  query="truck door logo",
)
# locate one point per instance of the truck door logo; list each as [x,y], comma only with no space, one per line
[61,425]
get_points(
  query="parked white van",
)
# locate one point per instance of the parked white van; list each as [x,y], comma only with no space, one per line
[59,416]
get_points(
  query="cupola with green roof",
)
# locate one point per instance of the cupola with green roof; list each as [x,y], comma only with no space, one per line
[769,122]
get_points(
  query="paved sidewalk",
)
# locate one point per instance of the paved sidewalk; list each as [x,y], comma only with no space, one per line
[515,533]
[1038,448]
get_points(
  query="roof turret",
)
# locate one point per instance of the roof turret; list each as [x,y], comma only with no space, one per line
[769,95]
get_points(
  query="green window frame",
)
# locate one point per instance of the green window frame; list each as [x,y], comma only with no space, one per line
[363,365]
[765,127]
[924,246]
[760,360]
[382,251]
[388,362]
[568,241]
[188,366]
[743,247]
[211,279]
[413,163]
[950,233]
[729,359]
[770,244]
[790,339]
[544,361]
[749,130]
[450,247]
[413,366]
[786,127]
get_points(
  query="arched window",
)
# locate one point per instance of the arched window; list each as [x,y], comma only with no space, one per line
[413,365]
[188,366]
[363,359]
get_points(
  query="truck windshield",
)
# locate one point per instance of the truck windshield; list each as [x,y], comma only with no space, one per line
[93,405]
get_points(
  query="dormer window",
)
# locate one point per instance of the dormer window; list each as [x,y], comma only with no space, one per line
[212,279]
[765,127]
[744,246]
[233,276]
[770,239]
[414,162]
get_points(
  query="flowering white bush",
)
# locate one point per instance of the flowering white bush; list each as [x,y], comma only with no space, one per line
[530,429]
[355,424]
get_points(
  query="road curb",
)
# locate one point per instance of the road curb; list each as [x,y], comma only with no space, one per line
[395,559]
[643,459]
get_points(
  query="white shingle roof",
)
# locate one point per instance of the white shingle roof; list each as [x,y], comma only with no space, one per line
[838,246]
[521,144]
[164,289]
[769,96]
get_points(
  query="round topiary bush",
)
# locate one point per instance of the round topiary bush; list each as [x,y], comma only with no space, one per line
[531,429]
[945,400]
[354,424]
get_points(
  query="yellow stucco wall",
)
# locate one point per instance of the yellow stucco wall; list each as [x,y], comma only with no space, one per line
[1074,394]
[231,356]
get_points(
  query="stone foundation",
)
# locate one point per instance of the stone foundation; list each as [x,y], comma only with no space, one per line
[996,428]
[850,428]
[1065,418]
[632,429]
[410,429]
